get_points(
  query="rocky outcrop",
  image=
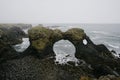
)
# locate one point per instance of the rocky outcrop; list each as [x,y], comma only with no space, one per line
[37,62]
[21,26]
[12,35]
[9,37]
[42,39]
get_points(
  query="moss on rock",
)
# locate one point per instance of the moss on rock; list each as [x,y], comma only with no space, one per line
[75,35]
[42,39]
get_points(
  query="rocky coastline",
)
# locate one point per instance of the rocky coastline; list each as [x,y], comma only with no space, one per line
[37,62]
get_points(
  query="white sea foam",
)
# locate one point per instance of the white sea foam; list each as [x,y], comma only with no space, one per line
[100,32]
[25,30]
[116,55]
[23,46]
[113,46]
[85,42]
[95,38]
[65,51]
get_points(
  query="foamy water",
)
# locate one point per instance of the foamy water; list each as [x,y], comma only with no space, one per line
[65,51]
[23,46]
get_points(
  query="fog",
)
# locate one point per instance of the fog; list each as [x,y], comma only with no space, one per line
[59,11]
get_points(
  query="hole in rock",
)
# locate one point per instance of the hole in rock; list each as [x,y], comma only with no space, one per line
[64,51]
[85,42]
[23,46]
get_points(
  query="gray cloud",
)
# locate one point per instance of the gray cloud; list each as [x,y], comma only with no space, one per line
[59,11]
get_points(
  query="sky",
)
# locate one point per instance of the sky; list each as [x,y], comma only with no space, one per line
[59,11]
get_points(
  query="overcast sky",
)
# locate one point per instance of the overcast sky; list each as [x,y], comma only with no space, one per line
[59,11]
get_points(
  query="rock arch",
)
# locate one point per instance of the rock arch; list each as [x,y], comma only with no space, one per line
[42,39]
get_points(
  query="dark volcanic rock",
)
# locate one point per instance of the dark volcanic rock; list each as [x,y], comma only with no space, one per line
[12,35]
[32,68]
[7,53]
[9,37]
[37,62]
[95,55]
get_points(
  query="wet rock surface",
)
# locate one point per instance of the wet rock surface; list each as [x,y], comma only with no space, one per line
[38,61]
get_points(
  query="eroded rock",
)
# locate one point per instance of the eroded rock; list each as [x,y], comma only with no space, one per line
[42,39]
[8,37]
[12,35]
[37,62]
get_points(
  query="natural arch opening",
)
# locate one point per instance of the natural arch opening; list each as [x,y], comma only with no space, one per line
[23,46]
[64,51]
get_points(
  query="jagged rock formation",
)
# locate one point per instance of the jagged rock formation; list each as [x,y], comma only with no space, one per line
[9,36]
[37,62]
